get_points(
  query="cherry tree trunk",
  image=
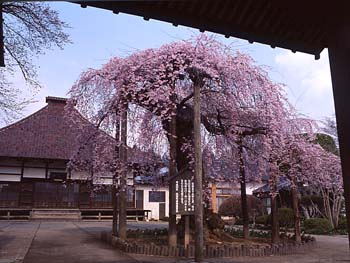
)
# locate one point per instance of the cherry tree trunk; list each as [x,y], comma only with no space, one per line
[172,233]
[115,179]
[244,201]
[123,171]
[296,213]
[198,198]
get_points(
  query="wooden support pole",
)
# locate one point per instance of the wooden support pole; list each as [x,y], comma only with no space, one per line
[244,201]
[115,177]
[2,50]
[172,233]
[339,57]
[123,171]
[213,197]
[198,197]
[187,233]
[295,199]
[275,235]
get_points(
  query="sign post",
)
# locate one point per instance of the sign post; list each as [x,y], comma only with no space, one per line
[183,190]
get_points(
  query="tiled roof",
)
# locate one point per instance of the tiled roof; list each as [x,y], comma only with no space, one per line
[45,134]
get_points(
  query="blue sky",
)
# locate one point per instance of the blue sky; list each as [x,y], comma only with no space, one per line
[98,35]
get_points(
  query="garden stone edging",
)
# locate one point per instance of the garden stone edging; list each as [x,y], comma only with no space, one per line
[210,251]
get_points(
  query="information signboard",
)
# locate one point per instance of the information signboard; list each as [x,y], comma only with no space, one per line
[183,189]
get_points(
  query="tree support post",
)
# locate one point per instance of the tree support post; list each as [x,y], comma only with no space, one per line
[172,233]
[116,177]
[275,231]
[198,197]
[187,234]
[123,171]
[244,203]
[295,199]
[339,57]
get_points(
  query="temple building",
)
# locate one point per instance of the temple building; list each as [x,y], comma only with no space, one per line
[35,181]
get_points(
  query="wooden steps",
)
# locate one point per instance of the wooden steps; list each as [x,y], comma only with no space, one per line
[55,214]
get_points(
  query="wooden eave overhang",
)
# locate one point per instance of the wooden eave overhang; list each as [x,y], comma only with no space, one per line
[297,25]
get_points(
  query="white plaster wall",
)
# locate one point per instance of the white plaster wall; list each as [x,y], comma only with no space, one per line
[253,186]
[34,172]
[79,175]
[102,180]
[10,178]
[153,206]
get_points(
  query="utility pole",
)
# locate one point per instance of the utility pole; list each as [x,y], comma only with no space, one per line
[198,197]
[123,170]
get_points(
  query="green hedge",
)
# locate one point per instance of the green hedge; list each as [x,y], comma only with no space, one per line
[286,217]
[262,220]
[317,226]
[343,225]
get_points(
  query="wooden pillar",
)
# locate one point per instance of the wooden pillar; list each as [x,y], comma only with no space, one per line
[275,231]
[339,57]
[2,50]
[172,233]
[115,178]
[187,233]
[198,197]
[123,171]
[244,201]
[295,199]
[213,197]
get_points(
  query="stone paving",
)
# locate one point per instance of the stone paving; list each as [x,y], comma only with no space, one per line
[66,242]
[15,240]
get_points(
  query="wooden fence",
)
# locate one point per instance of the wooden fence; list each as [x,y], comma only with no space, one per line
[210,251]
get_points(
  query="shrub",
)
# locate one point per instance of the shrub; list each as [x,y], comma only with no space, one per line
[239,221]
[232,206]
[166,219]
[343,224]
[286,217]
[147,233]
[214,221]
[317,226]
[262,220]
[252,233]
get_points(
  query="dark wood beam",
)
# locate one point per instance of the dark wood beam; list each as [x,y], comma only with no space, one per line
[186,17]
[339,57]
[2,53]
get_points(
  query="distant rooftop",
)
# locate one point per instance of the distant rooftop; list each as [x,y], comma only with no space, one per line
[56,99]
